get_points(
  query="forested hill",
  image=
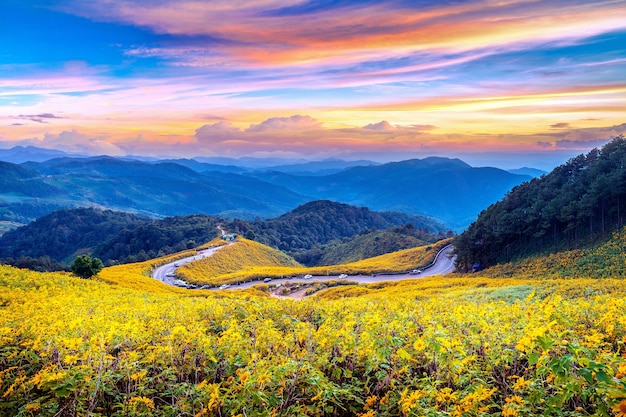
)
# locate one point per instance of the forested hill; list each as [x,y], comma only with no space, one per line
[576,205]
[303,231]
[112,236]
[123,237]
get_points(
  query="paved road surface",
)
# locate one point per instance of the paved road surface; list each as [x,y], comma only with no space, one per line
[166,272]
[444,264]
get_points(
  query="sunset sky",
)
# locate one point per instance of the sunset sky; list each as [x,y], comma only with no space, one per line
[507,83]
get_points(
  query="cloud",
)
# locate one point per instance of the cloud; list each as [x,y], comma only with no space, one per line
[292,123]
[560,126]
[76,142]
[581,144]
[39,118]
[545,144]
[380,126]
[271,32]
[217,132]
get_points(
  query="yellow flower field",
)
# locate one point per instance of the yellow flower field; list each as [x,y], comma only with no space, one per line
[437,347]
[246,260]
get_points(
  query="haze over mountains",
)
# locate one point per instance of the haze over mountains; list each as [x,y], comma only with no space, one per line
[448,190]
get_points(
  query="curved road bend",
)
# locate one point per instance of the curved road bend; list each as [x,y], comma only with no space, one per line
[444,264]
[165,272]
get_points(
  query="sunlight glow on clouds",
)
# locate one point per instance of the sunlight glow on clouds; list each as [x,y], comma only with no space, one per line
[313,78]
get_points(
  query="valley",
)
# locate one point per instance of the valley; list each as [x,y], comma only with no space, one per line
[441,264]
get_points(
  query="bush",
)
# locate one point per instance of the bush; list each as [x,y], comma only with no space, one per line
[85,266]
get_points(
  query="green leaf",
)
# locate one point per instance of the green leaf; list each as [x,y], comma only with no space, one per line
[602,376]
[404,354]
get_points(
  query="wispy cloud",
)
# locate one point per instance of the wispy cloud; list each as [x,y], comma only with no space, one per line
[39,118]
[308,76]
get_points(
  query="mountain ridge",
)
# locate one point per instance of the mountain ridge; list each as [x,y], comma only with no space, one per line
[578,204]
[448,189]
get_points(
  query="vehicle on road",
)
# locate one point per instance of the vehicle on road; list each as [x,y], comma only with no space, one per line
[224,286]
[308,276]
[343,276]
[180,283]
[267,279]
[416,271]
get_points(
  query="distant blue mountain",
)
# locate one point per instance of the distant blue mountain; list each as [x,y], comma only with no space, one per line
[448,190]
[533,172]
[20,154]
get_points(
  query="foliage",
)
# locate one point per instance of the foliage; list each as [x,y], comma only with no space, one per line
[602,261]
[326,232]
[41,264]
[85,266]
[429,347]
[578,204]
[117,237]
[114,237]
[374,243]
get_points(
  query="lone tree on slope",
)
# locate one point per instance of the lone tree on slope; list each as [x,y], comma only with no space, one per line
[86,267]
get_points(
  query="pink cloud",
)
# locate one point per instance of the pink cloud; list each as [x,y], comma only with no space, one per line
[296,122]
[380,126]
[217,132]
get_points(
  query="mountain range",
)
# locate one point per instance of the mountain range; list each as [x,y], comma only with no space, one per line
[118,237]
[448,190]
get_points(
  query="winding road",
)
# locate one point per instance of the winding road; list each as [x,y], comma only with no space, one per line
[166,273]
[443,264]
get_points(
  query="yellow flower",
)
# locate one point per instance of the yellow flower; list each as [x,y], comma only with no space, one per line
[138,375]
[407,402]
[620,409]
[264,378]
[509,410]
[621,371]
[370,401]
[446,395]
[521,384]
[136,402]
[516,399]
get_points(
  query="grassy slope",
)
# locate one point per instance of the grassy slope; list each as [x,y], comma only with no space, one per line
[604,261]
[246,260]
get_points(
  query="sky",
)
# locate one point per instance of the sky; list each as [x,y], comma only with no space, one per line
[506,83]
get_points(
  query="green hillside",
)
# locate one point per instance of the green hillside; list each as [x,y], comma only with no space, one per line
[322,232]
[112,236]
[605,260]
[577,205]
[119,237]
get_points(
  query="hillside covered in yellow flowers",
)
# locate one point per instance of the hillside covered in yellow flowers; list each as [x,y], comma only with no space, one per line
[521,340]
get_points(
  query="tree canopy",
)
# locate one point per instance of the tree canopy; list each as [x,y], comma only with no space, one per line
[578,204]
[85,266]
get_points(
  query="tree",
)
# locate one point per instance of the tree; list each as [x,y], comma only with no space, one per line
[86,267]
[250,235]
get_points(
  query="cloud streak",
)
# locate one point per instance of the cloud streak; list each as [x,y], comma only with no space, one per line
[316,77]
